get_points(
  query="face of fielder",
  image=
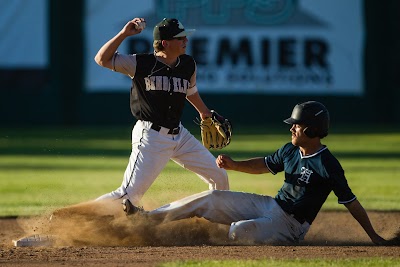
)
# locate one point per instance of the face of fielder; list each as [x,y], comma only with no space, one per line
[178,45]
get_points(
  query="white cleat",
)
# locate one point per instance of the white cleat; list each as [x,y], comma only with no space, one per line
[34,241]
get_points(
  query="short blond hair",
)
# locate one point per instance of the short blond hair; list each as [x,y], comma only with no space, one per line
[157,44]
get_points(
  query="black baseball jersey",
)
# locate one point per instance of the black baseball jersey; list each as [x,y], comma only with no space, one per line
[158,91]
[308,180]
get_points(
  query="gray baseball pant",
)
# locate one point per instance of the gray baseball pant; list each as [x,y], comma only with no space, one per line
[253,218]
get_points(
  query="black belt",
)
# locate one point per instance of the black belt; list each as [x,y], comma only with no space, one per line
[171,131]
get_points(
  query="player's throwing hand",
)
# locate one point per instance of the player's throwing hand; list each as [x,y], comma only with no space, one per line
[135,26]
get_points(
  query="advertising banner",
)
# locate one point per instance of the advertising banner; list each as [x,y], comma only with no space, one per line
[243,46]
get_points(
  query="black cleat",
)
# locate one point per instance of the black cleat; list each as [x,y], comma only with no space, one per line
[129,208]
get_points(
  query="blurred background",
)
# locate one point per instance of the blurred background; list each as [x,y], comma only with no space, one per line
[256,59]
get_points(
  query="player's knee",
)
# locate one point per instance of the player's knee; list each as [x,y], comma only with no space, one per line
[243,232]
[254,231]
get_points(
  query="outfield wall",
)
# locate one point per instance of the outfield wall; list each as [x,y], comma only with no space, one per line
[347,59]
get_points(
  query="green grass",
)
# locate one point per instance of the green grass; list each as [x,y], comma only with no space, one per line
[377,262]
[45,168]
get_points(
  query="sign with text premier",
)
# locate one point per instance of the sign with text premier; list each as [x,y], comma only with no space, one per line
[268,47]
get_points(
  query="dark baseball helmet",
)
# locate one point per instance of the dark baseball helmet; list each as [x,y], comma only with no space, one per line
[314,116]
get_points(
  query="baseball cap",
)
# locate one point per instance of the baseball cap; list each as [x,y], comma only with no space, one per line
[169,29]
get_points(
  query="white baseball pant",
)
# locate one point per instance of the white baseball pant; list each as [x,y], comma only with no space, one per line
[151,151]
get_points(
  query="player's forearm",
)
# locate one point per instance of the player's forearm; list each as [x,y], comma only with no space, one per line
[199,105]
[359,213]
[105,54]
[252,166]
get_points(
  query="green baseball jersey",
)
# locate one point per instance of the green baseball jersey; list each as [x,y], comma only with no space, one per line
[308,180]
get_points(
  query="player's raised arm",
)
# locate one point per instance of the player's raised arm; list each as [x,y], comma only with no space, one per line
[105,55]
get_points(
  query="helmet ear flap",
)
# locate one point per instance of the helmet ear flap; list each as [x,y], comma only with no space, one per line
[311,133]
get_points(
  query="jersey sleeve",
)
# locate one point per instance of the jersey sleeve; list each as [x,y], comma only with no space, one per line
[125,64]
[339,182]
[275,161]
[192,84]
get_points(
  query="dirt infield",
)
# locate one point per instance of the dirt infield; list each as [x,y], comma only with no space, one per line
[115,241]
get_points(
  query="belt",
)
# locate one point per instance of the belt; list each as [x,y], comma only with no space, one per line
[157,128]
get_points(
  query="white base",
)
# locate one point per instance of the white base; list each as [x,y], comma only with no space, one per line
[34,241]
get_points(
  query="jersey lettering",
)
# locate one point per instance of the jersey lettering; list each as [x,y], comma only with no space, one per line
[161,83]
[305,175]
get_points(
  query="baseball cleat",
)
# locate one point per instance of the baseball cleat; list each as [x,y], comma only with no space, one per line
[129,208]
[34,241]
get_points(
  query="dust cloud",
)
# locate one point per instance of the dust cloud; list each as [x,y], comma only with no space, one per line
[103,223]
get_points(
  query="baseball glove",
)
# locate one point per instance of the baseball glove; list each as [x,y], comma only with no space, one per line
[216,131]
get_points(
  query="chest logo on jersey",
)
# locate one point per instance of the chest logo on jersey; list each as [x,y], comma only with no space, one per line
[305,175]
[167,84]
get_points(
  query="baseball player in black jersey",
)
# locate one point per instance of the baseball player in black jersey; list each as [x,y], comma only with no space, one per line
[311,173]
[161,83]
